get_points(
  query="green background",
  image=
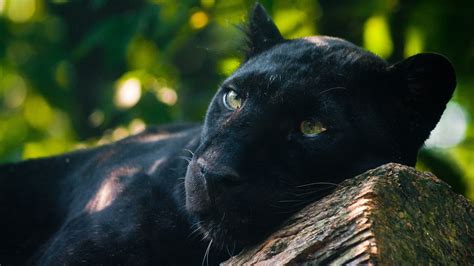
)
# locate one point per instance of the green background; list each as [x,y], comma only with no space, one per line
[75,74]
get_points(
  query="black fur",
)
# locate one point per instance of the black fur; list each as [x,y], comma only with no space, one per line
[165,195]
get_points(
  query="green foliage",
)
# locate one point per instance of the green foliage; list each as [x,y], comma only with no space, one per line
[80,73]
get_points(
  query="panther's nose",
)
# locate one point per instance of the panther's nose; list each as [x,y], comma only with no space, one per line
[205,183]
[219,175]
[196,187]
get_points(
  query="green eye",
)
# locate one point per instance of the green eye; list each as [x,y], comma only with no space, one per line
[311,128]
[232,100]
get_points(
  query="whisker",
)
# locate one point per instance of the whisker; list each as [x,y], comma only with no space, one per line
[191,152]
[296,199]
[330,89]
[206,254]
[298,192]
[233,248]
[195,231]
[228,251]
[205,236]
[318,183]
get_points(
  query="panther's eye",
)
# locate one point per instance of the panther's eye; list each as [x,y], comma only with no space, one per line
[311,128]
[232,100]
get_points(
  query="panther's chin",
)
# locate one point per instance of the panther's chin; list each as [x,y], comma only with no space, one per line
[229,233]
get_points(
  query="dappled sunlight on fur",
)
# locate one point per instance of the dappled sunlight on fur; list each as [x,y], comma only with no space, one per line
[322,41]
[155,166]
[110,188]
[148,138]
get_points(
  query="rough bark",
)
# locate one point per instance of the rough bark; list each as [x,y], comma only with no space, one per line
[389,215]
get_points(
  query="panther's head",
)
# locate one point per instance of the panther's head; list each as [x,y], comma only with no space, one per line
[299,116]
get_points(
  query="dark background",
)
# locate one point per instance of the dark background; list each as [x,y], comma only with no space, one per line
[75,74]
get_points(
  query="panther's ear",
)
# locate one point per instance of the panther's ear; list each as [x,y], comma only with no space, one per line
[421,87]
[262,33]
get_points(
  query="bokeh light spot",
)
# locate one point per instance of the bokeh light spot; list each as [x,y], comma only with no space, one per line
[15,97]
[136,126]
[96,118]
[128,93]
[37,112]
[120,133]
[2,6]
[167,96]
[198,20]
[21,10]
[414,42]
[60,127]
[229,65]
[15,91]
[377,37]
[451,128]
[294,23]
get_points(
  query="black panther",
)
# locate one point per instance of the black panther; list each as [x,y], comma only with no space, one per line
[296,115]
